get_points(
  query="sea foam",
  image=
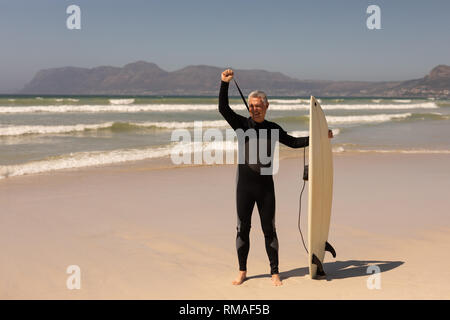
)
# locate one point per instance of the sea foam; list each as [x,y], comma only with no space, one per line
[97,158]
[367,118]
[121,101]
[22,130]
[201,107]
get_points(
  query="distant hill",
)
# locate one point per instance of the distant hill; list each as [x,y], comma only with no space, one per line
[144,78]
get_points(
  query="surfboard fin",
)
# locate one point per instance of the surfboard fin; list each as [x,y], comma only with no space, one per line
[320,272]
[329,248]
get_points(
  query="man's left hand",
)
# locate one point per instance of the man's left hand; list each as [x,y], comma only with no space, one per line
[330,133]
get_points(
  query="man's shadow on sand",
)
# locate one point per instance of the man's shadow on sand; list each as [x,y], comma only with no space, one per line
[339,269]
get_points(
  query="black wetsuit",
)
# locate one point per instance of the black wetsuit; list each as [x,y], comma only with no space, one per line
[252,186]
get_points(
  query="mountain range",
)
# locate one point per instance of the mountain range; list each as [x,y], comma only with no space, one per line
[145,78]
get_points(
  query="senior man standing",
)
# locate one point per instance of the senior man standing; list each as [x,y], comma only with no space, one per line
[253,186]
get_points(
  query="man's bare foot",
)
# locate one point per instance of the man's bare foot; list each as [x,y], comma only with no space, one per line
[276,280]
[241,278]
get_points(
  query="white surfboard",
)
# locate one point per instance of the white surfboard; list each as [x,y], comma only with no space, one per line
[320,195]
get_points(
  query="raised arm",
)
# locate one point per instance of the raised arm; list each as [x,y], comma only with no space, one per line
[234,120]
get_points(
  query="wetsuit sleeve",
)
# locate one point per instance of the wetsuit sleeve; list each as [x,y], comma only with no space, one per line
[291,141]
[234,120]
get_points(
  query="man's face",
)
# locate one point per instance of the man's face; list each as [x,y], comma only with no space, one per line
[257,109]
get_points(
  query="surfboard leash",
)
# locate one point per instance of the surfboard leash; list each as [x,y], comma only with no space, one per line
[240,92]
[305,178]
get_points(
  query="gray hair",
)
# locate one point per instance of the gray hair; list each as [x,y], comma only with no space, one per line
[259,94]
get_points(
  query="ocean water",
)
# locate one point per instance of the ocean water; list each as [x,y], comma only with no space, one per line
[40,134]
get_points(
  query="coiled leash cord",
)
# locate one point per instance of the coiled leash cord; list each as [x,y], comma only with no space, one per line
[305,178]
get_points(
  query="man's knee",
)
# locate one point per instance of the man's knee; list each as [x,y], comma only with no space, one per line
[243,228]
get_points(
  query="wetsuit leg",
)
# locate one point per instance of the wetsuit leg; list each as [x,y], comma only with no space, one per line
[245,202]
[266,207]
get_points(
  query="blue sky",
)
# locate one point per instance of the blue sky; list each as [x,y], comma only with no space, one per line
[314,39]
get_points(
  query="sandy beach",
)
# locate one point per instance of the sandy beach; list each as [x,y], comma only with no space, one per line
[137,232]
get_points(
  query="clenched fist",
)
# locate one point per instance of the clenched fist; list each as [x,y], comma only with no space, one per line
[227,75]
